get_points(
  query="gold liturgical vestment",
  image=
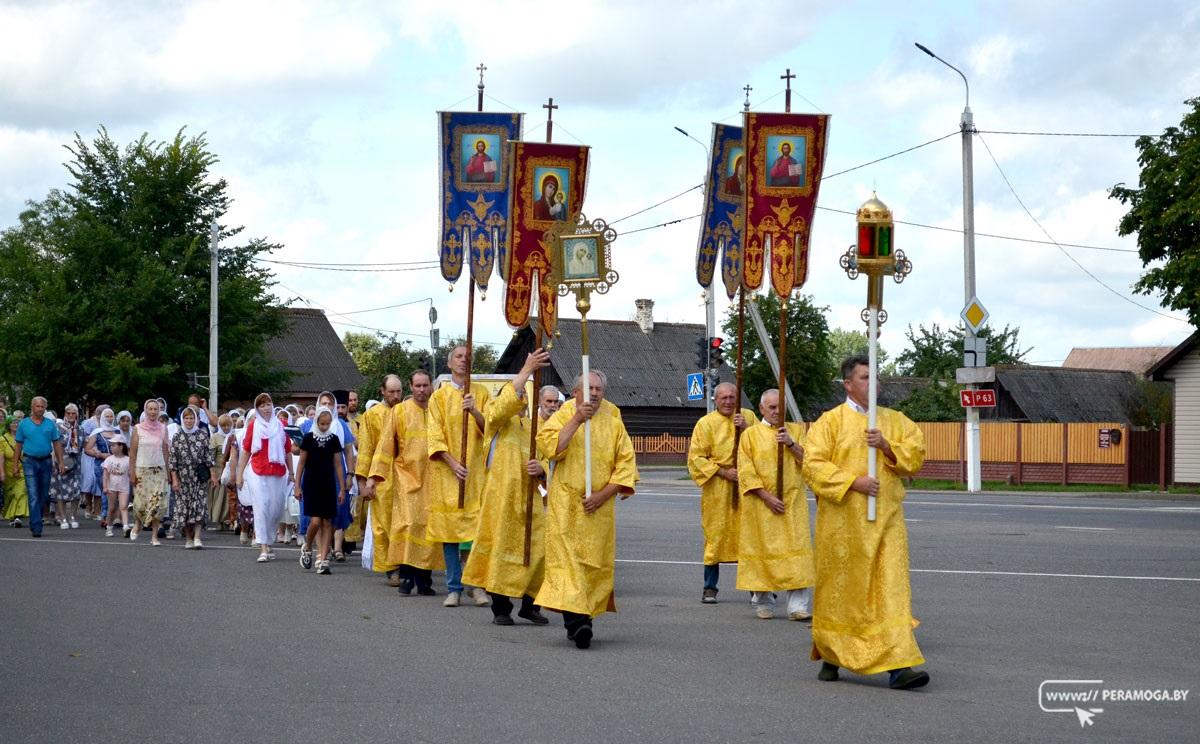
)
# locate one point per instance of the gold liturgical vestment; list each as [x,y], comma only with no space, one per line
[497,561]
[370,426]
[356,530]
[862,607]
[710,450]
[581,548]
[775,550]
[401,460]
[447,522]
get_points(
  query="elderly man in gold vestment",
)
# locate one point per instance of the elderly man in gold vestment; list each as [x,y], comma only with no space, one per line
[862,611]
[369,429]
[775,551]
[710,463]
[581,530]
[497,560]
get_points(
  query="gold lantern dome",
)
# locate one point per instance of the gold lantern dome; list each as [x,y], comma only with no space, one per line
[874,211]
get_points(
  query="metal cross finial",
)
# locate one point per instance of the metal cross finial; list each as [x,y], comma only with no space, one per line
[787,98]
[549,106]
[746,105]
[482,69]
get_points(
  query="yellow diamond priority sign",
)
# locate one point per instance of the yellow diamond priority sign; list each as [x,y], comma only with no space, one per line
[974,315]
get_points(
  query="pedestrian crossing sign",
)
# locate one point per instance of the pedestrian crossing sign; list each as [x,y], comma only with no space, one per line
[695,386]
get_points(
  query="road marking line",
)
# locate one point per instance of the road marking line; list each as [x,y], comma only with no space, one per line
[1055,575]
[143,543]
[1143,509]
[1090,529]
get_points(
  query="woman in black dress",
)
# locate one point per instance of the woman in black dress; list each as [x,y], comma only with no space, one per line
[319,485]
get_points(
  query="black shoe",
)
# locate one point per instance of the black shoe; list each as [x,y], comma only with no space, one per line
[406,587]
[533,616]
[502,620]
[426,591]
[828,673]
[583,637]
[909,679]
[37,534]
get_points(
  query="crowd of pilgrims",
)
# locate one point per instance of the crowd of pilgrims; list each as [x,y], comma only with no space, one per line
[395,482]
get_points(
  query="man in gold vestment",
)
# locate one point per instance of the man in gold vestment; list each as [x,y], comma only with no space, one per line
[449,465]
[581,530]
[862,612]
[775,551]
[379,496]
[497,560]
[401,464]
[710,463]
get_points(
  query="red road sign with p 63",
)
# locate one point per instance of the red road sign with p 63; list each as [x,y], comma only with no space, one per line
[978,398]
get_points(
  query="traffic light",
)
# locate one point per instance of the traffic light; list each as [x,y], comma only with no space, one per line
[702,353]
[193,380]
[716,354]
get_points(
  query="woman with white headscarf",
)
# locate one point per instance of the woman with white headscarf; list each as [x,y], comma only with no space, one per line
[265,469]
[192,474]
[320,483]
[90,486]
[95,450]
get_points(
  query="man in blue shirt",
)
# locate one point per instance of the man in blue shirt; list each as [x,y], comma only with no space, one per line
[38,442]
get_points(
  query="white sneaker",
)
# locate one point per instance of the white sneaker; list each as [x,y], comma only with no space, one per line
[263,558]
[108,532]
[63,525]
[480,596]
[764,612]
[197,545]
[451,600]
[189,545]
[74,524]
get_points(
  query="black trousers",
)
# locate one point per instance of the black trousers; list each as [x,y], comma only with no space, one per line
[574,622]
[421,577]
[503,605]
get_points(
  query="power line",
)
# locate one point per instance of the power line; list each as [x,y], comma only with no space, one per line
[888,157]
[387,307]
[367,270]
[348,263]
[659,204]
[661,224]
[993,235]
[1061,134]
[1059,246]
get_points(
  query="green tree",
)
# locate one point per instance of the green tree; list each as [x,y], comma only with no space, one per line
[483,356]
[1165,214]
[937,401]
[1152,404]
[937,353]
[844,344]
[809,367]
[378,355]
[106,282]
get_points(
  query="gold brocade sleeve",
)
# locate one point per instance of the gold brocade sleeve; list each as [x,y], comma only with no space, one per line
[908,445]
[437,423]
[547,436]
[625,473]
[385,452]
[749,476]
[821,470]
[367,436]
[702,465]
[498,410]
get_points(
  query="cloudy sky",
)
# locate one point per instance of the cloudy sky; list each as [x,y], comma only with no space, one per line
[323,116]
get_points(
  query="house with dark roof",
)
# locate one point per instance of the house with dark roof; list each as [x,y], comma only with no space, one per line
[647,365]
[313,352]
[1135,359]
[1181,368]
[1057,395]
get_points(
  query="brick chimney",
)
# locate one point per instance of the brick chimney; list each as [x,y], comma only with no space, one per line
[644,315]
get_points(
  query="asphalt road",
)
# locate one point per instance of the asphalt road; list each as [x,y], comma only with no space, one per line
[104,640]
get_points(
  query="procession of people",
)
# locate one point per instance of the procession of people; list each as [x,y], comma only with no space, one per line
[522,531]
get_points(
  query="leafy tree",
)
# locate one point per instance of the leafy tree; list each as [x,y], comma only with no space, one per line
[937,401]
[938,353]
[483,356]
[809,365]
[106,282]
[376,356]
[1152,404]
[1165,214]
[844,344]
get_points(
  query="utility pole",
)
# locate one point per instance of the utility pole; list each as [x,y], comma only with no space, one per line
[213,330]
[967,125]
[710,307]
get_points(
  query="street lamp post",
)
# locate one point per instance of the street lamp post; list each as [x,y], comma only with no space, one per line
[966,124]
[710,308]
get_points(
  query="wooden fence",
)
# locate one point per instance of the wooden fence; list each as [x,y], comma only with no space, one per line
[1011,452]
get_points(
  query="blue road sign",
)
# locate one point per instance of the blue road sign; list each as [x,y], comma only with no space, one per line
[695,386]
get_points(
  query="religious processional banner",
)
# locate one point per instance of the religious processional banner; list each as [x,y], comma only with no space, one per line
[547,188]
[721,227]
[475,182]
[785,156]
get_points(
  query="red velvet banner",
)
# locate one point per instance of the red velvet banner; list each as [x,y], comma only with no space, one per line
[785,154]
[548,187]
